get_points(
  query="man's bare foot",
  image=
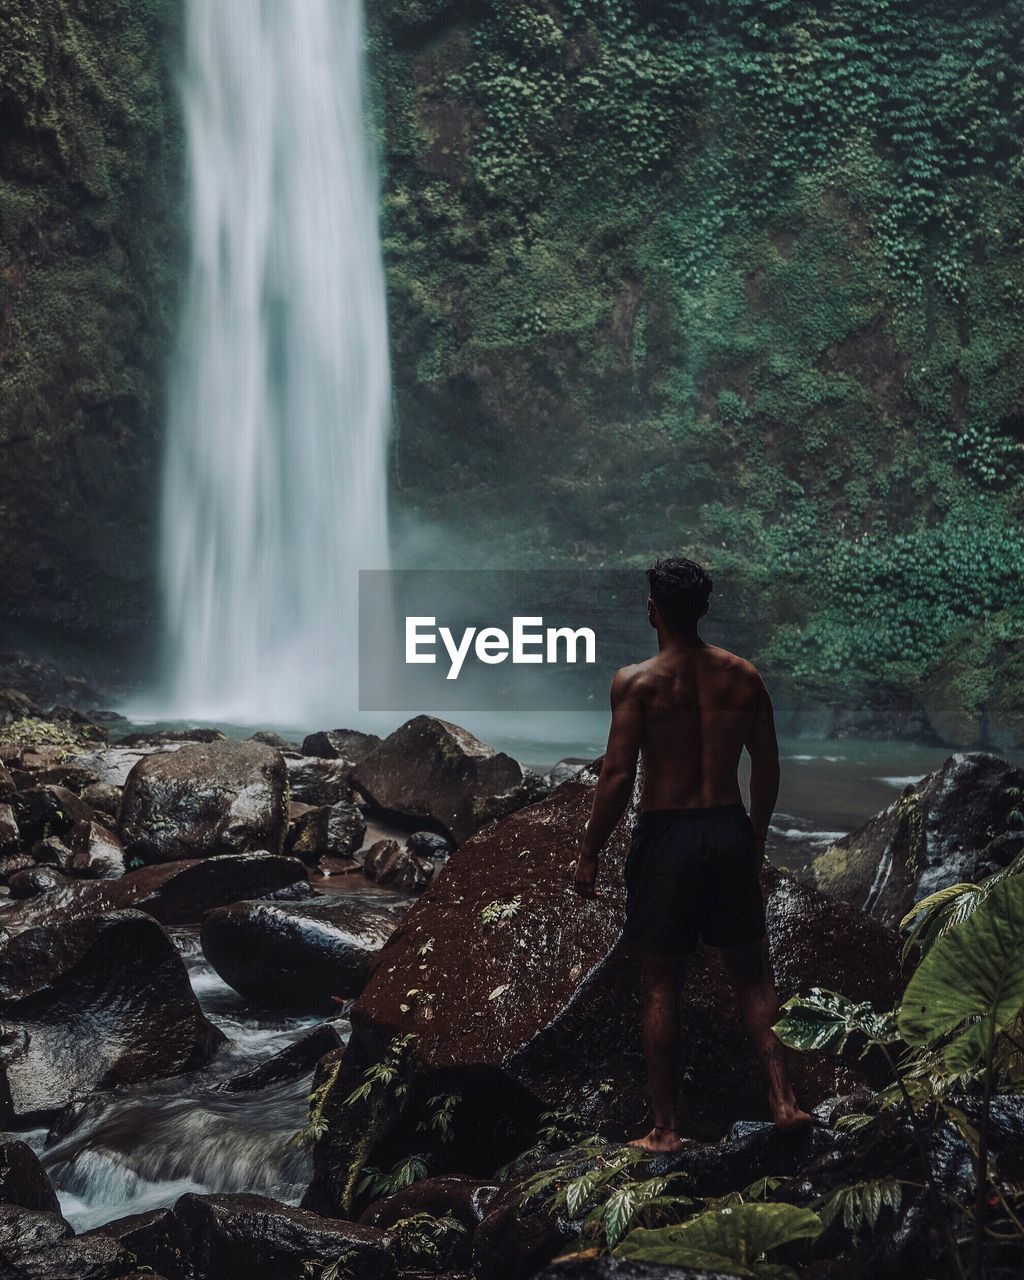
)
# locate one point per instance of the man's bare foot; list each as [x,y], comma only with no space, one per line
[660,1141]
[789,1118]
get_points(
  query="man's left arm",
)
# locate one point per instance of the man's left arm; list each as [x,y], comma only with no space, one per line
[615,785]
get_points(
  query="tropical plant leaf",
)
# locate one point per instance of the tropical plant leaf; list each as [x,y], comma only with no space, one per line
[934,916]
[825,1020]
[861,1204]
[734,1236]
[973,975]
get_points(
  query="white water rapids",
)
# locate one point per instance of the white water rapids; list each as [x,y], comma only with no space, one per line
[275,473]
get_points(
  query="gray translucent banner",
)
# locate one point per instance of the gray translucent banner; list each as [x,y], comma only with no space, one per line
[497,640]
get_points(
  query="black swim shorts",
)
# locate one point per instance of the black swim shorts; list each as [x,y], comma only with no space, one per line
[693,873]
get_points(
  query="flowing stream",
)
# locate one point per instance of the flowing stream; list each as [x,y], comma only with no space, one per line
[275,474]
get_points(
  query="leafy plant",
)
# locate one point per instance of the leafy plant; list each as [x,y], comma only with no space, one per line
[424,1242]
[825,1021]
[496,912]
[402,1174]
[861,1204]
[933,917]
[385,1074]
[442,1108]
[733,1239]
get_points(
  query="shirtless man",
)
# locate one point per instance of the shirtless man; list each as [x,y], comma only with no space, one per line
[694,862]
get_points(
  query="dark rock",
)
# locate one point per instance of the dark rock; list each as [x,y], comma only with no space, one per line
[334,831]
[297,1060]
[240,1237]
[114,764]
[95,852]
[104,798]
[389,864]
[92,1004]
[52,851]
[13,862]
[175,893]
[23,1179]
[296,956]
[73,777]
[204,799]
[7,787]
[428,844]
[934,835]
[155,1238]
[432,769]
[48,811]
[468,1200]
[35,882]
[534,1006]
[340,744]
[315,781]
[609,1268]
[10,836]
[515,1240]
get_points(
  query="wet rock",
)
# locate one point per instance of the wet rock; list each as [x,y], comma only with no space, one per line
[155,1238]
[934,835]
[73,777]
[340,744]
[10,836]
[48,811]
[52,851]
[165,737]
[114,764]
[239,1237]
[92,1004]
[431,769]
[7,787]
[468,1200]
[315,781]
[14,862]
[204,799]
[514,1240]
[428,844]
[296,1060]
[296,956]
[35,882]
[23,1179]
[527,1002]
[331,831]
[175,893]
[390,864]
[96,853]
[565,769]
[103,798]
[609,1268]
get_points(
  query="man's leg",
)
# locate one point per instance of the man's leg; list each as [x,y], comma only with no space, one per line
[750,972]
[662,988]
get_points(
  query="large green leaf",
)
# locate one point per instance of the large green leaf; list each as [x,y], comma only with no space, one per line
[731,1239]
[974,973]
[825,1020]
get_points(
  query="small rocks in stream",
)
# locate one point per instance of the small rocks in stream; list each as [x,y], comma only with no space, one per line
[93,1003]
[35,881]
[175,893]
[204,799]
[387,862]
[939,832]
[47,811]
[95,852]
[104,798]
[340,744]
[240,1237]
[431,769]
[330,831]
[296,1060]
[428,844]
[297,956]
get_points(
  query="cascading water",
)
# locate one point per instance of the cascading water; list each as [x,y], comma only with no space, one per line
[275,480]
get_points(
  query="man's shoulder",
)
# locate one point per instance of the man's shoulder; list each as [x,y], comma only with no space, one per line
[734,663]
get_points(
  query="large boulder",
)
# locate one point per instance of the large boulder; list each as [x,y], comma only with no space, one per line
[340,744]
[430,769]
[23,1179]
[205,799]
[317,781]
[92,1004]
[175,893]
[41,1246]
[297,956]
[244,1237]
[517,995]
[155,1238]
[944,830]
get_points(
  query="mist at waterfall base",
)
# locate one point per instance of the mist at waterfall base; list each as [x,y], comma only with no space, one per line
[275,471]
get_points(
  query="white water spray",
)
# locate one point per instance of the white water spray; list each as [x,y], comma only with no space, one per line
[275,478]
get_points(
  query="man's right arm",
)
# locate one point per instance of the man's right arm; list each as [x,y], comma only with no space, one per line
[763,749]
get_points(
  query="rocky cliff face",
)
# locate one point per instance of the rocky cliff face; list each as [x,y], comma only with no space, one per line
[90,194]
[742,280]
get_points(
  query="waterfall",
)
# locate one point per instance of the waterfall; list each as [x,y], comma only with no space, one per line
[275,475]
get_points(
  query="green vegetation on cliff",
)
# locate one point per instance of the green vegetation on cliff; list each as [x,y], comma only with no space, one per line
[743,279]
[90,183]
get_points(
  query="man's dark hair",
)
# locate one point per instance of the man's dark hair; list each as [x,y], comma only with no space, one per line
[680,589]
